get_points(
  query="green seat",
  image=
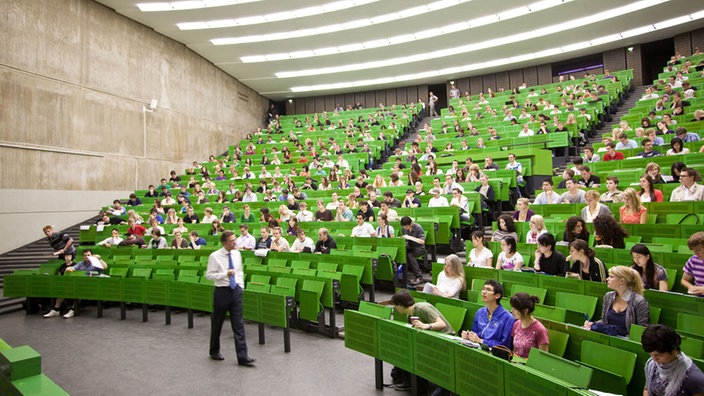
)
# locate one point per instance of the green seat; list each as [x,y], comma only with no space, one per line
[283,291]
[252,260]
[260,279]
[280,270]
[310,305]
[689,323]
[328,267]
[613,367]
[558,342]
[350,287]
[576,302]
[555,314]
[361,248]
[454,315]
[636,332]
[380,311]
[258,287]
[300,264]
[693,347]
[186,259]
[671,277]
[118,272]
[574,373]
[532,291]
[163,274]
[651,219]
[290,284]
[142,273]
[276,262]
[655,314]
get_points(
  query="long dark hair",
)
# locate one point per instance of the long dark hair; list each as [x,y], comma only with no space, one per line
[648,179]
[508,221]
[649,277]
[609,230]
[570,236]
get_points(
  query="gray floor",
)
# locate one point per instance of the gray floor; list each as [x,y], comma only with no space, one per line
[89,356]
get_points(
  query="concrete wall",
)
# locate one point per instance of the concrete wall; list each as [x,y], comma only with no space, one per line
[74,77]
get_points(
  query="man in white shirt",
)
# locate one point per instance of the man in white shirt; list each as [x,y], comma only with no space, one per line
[451,184]
[362,229]
[625,143]
[225,270]
[548,196]
[461,202]
[278,243]
[689,190]
[649,94]
[304,214]
[342,163]
[391,215]
[437,200]
[302,243]
[245,241]
[249,196]
[526,131]
[113,240]
[264,173]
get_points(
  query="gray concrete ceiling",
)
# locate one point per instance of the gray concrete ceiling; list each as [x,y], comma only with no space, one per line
[291,49]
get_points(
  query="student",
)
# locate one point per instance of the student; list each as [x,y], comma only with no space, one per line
[527,332]
[624,305]
[492,323]
[693,277]
[450,280]
[547,259]
[669,371]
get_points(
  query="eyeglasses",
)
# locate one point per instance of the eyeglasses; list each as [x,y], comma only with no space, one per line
[684,175]
[487,289]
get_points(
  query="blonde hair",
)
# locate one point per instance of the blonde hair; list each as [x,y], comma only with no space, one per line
[628,275]
[539,221]
[631,194]
[457,269]
[523,200]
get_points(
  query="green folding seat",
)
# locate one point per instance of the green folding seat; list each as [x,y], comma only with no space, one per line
[163,274]
[300,264]
[350,288]
[576,302]
[380,311]
[558,342]
[455,315]
[613,367]
[310,294]
[692,324]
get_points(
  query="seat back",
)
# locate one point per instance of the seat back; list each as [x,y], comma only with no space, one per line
[614,367]
[260,279]
[558,342]
[380,311]
[556,366]
[300,264]
[276,262]
[692,324]
[454,315]
[531,290]
[576,302]
[328,267]
[556,314]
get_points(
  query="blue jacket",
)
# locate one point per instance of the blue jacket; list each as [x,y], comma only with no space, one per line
[498,330]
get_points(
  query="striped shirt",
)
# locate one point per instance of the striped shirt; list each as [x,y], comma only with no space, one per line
[695,268]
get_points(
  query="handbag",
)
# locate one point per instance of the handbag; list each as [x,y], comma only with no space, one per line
[502,352]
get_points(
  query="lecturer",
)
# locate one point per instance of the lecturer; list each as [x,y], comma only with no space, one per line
[225,269]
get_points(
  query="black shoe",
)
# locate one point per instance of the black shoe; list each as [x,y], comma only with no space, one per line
[248,361]
[402,387]
[217,356]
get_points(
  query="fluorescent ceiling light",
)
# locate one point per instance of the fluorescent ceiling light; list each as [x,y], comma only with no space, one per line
[188,5]
[275,17]
[673,22]
[465,49]
[495,62]
[336,28]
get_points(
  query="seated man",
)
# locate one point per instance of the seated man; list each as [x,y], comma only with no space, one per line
[366,211]
[245,241]
[133,240]
[157,241]
[304,214]
[134,200]
[363,229]
[117,209]
[91,263]
[437,200]
[588,180]
[611,153]
[688,190]
[492,323]
[113,240]
[414,235]
[195,241]
[548,196]
[302,244]
[648,149]
[278,243]
[612,193]
[325,242]
[693,277]
[573,194]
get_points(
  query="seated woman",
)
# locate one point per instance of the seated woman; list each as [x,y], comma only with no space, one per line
[523,213]
[677,147]
[507,228]
[632,212]
[179,242]
[480,256]
[492,324]
[608,232]
[247,216]
[575,228]
[450,280]
[537,228]
[548,260]
[624,306]
[653,275]
[527,332]
[648,193]
[180,227]
[509,259]
[215,228]
[669,371]
[594,208]
[584,264]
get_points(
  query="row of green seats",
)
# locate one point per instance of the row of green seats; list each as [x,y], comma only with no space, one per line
[22,373]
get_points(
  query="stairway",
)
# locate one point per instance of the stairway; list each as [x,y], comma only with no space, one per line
[30,256]
[628,103]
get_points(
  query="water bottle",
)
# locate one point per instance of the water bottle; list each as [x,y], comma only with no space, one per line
[399,273]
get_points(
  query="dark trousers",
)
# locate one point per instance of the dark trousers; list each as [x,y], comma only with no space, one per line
[412,262]
[228,300]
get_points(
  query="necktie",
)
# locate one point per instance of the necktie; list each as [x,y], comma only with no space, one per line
[233,284]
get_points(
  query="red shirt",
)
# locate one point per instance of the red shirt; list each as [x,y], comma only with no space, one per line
[617,156]
[137,230]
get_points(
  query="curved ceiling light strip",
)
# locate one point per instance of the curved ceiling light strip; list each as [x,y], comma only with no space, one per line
[514,13]
[189,5]
[339,27]
[465,49]
[275,17]
[506,61]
